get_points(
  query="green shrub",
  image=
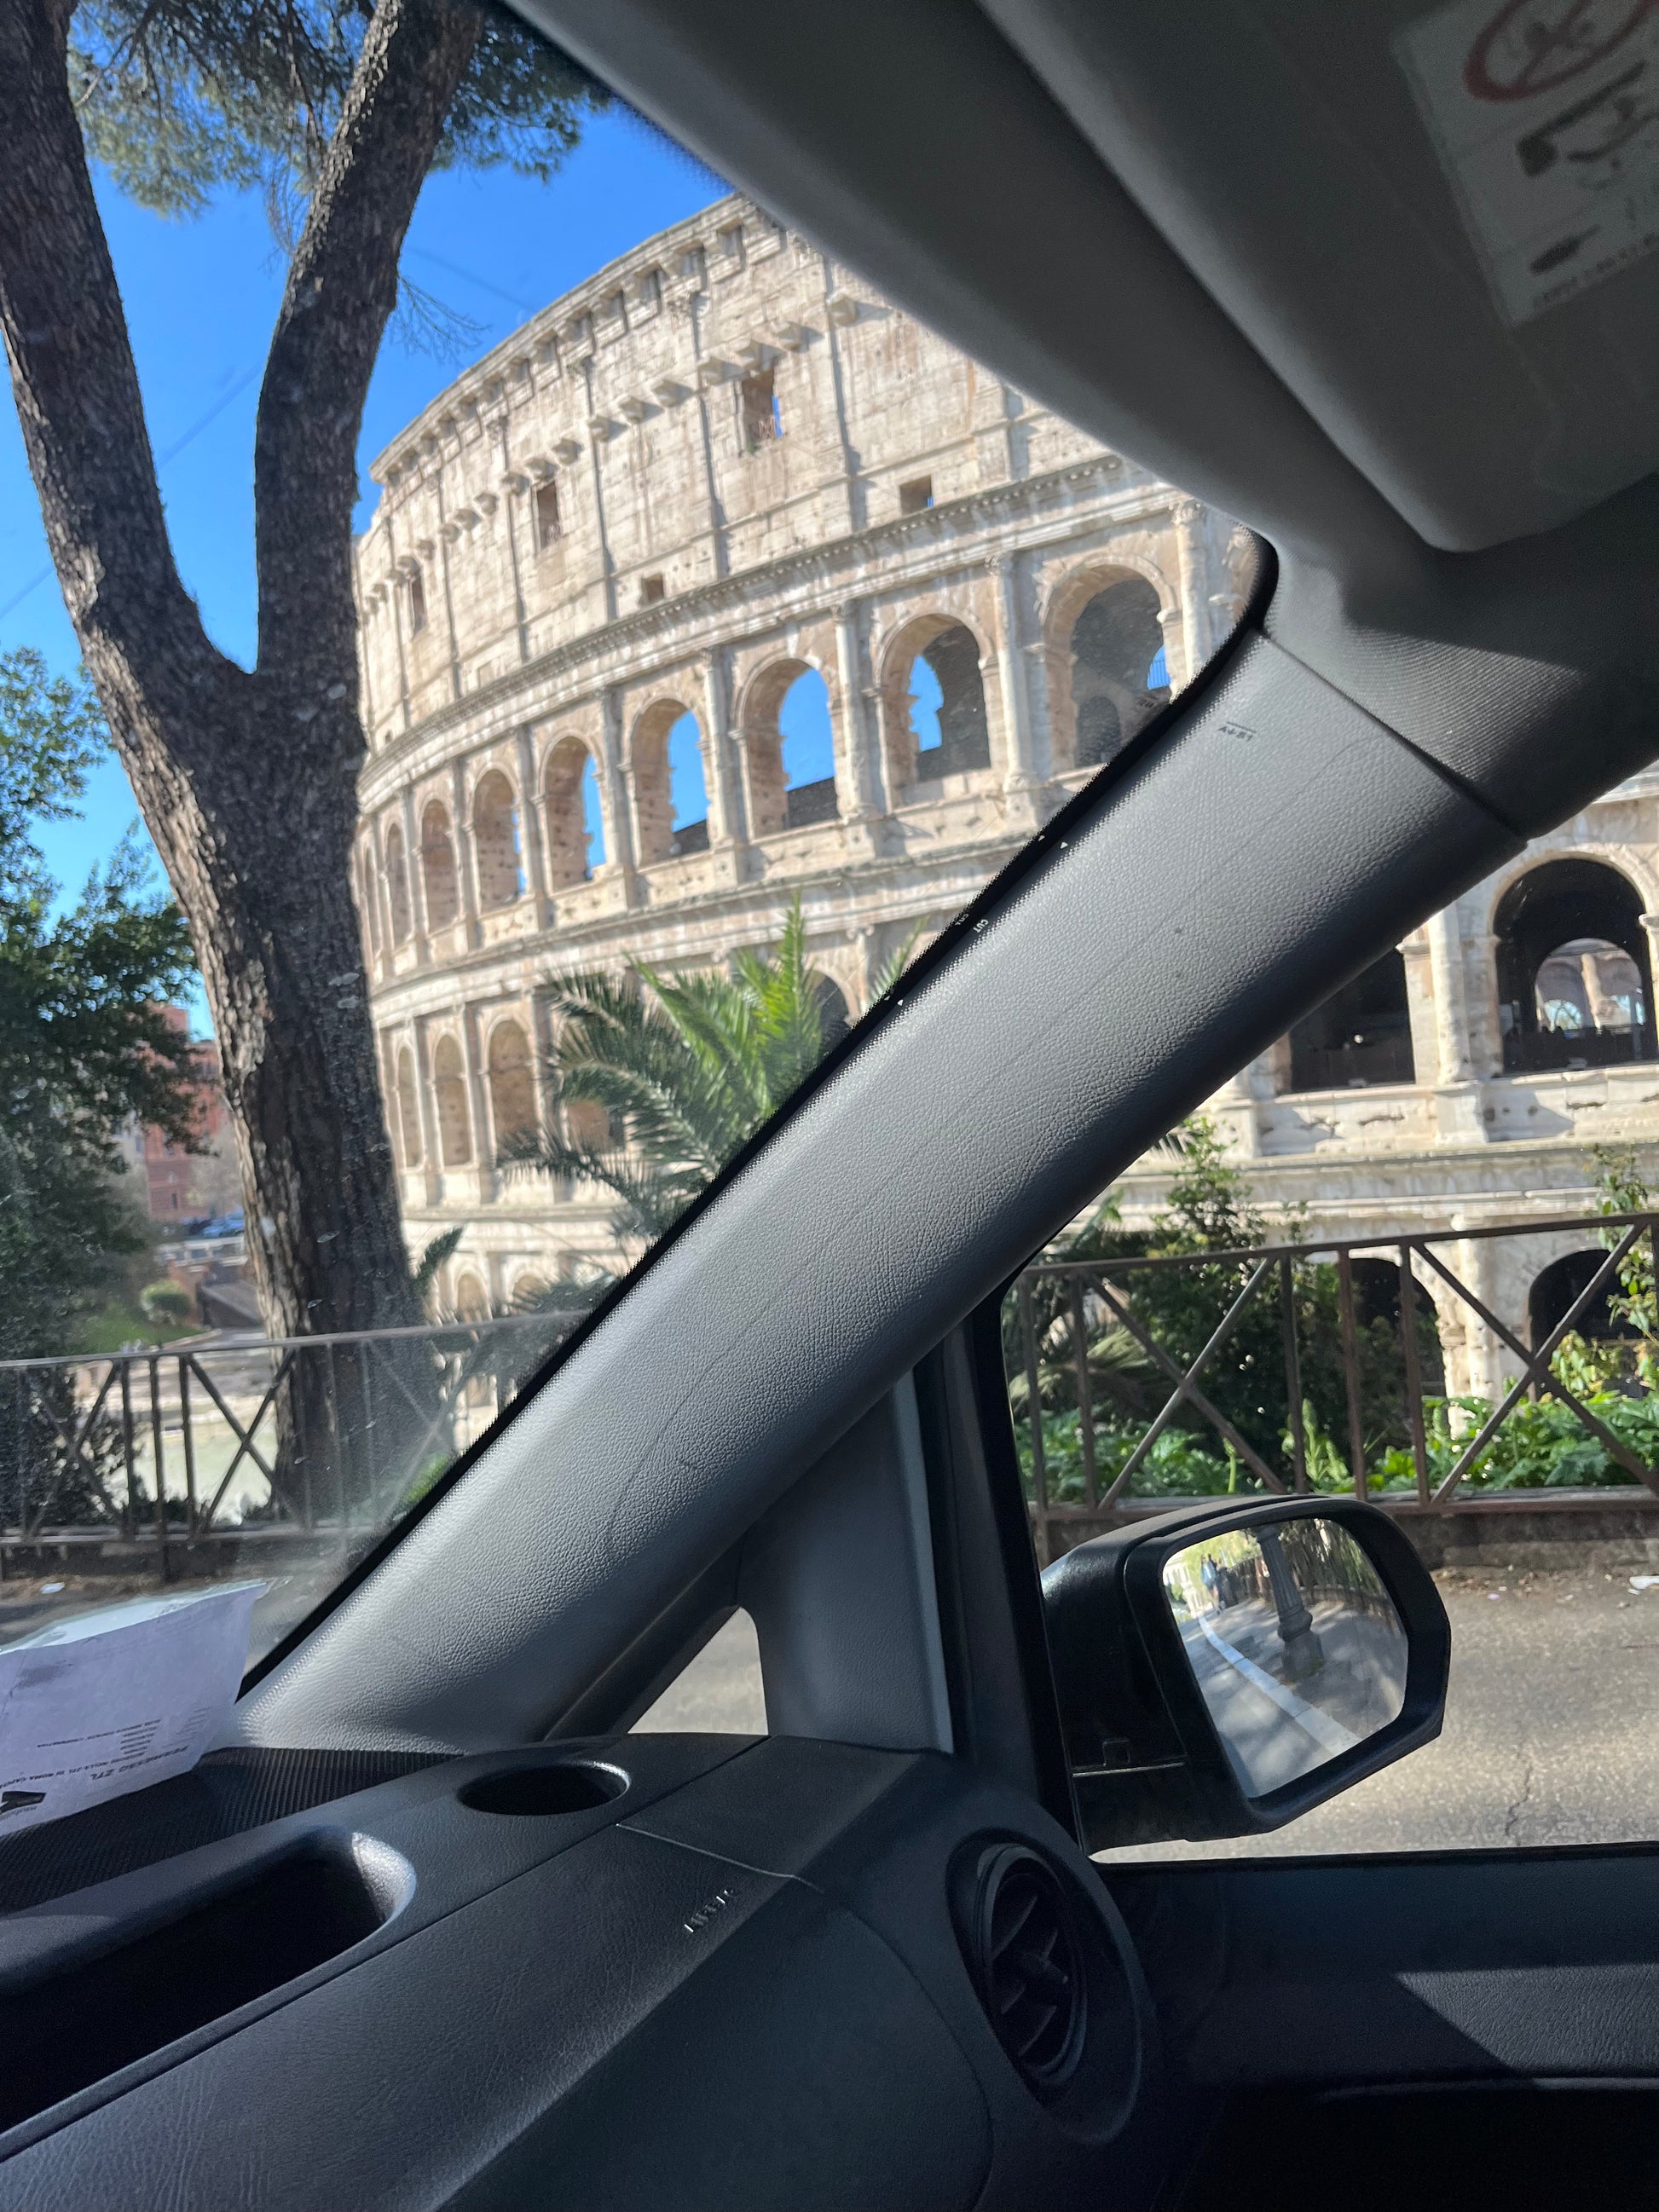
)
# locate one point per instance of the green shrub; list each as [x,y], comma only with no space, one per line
[167,1303]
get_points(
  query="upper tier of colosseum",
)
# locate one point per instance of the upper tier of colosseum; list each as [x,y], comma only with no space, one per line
[718,399]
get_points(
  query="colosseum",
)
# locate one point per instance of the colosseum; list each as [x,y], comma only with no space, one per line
[723,583]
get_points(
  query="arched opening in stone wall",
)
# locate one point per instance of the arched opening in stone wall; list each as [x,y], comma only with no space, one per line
[592,810]
[570,794]
[496,842]
[833,1013]
[512,1084]
[449,1088]
[1376,1310]
[438,873]
[789,746]
[671,800]
[530,1293]
[1575,984]
[396,883]
[1120,678]
[944,730]
[471,1299]
[408,1111]
[1361,1035]
[1554,1291]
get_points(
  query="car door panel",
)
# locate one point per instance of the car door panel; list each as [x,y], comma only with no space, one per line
[1362,1972]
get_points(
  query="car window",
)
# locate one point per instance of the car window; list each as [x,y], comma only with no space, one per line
[564,644]
[1408,1254]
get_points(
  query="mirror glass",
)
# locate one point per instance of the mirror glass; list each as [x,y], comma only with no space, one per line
[1295,1644]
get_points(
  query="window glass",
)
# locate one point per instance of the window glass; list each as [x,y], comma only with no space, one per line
[1408,1253]
[644,577]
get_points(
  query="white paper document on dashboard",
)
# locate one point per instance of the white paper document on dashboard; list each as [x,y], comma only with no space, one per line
[113,1700]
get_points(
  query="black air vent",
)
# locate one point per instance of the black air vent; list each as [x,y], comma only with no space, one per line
[1018,1934]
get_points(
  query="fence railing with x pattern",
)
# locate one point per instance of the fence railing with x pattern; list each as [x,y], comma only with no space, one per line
[1139,1379]
[327,1434]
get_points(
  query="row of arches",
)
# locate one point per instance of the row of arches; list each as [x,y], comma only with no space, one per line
[1549,1298]
[934,718]
[510,1090]
[497,855]
[1574,984]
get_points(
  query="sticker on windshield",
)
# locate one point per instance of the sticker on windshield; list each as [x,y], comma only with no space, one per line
[1546,113]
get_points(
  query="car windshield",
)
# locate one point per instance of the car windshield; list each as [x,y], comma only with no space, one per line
[508,652]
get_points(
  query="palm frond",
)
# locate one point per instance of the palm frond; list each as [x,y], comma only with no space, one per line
[886,977]
[687,1066]
[432,1258]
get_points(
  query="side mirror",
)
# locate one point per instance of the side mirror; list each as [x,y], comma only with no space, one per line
[1222,1669]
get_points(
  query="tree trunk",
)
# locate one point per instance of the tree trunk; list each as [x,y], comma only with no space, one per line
[246,779]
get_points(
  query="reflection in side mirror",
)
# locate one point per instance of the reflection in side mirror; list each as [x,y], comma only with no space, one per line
[1295,1644]
[1223,1668]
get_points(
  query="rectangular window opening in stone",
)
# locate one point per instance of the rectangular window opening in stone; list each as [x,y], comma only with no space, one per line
[762,420]
[917,496]
[651,591]
[416,603]
[547,513]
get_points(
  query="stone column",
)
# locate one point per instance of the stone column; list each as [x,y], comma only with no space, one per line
[466,868]
[1193,551]
[721,782]
[426,1106]
[418,936]
[1485,1026]
[858,788]
[1020,781]
[484,1139]
[1234,1104]
[532,844]
[1480,1361]
[1651,929]
[381,942]
[1451,1022]
[617,797]
[1173,624]
[435,553]
[394,584]
[1420,1005]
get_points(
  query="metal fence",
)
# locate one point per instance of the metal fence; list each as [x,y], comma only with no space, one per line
[1273,1329]
[170,1447]
[1128,1374]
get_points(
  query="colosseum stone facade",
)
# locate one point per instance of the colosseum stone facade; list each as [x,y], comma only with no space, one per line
[725,475]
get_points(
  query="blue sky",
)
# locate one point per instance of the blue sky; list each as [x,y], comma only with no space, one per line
[201,297]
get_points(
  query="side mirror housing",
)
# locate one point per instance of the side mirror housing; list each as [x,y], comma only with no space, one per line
[1223,1668]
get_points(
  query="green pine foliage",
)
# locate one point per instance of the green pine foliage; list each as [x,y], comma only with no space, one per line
[178,98]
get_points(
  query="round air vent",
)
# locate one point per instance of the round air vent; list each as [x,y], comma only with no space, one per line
[1019,1935]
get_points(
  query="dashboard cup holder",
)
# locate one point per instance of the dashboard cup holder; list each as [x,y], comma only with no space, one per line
[537,1792]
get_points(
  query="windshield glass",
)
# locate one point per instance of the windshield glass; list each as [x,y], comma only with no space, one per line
[570,642]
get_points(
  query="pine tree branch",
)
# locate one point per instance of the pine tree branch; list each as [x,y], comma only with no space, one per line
[341,289]
[75,386]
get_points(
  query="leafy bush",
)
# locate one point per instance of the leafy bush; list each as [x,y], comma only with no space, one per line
[166,1303]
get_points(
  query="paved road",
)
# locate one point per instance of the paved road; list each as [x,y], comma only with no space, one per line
[1552,1732]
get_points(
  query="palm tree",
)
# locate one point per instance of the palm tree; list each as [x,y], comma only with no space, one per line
[685,1067]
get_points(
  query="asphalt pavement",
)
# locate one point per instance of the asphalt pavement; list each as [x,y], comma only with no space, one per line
[1552,1731]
